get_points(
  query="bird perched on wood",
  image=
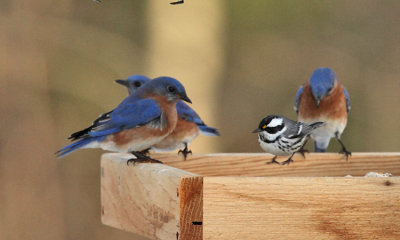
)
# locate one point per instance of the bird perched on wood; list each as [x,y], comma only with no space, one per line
[142,120]
[324,99]
[189,123]
[281,136]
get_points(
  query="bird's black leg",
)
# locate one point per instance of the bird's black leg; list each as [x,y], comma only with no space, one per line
[145,152]
[344,150]
[273,160]
[141,158]
[289,160]
[185,152]
[302,151]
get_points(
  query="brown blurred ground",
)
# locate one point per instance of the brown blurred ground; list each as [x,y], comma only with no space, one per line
[239,60]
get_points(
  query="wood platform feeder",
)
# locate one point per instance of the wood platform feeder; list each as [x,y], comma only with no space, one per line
[239,196]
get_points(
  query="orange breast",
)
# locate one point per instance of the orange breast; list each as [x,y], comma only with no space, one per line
[146,133]
[331,107]
[184,131]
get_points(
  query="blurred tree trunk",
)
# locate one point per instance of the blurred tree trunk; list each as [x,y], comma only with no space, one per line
[186,42]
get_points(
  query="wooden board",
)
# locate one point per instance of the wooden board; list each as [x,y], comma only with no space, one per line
[143,199]
[162,202]
[301,208]
[254,164]
[191,205]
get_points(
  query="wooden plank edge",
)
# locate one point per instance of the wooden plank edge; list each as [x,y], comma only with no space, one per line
[142,198]
[191,208]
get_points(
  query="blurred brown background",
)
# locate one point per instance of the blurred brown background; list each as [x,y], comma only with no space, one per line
[239,61]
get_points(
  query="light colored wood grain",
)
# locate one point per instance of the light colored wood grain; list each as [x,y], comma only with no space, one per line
[159,201]
[142,199]
[314,165]
[191,205]
[301,208]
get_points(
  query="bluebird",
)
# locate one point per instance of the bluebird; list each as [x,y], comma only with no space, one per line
[325,99]
[189,124]
[133,82]
[281,136]
[140,121]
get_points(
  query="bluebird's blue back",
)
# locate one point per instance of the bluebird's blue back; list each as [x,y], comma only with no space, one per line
[136,110]
[184,111]
[187,113]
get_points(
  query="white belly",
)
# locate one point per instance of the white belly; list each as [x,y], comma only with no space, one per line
[323,135]
[272,148]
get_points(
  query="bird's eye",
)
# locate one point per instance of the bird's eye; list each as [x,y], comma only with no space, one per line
[171,89]
[264,127]
[273,130]
[137,84]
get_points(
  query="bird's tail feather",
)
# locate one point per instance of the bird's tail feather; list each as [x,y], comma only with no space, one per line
[208,131]
[74,146]
[317,149]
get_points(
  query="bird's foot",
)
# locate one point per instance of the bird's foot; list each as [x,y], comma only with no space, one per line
[346,153]
[141,158]
[303,151]
[344,150]
[273,161]
[287,161]
[185,152]
[145,152]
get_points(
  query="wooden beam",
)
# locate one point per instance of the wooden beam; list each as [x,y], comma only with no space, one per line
[143,198]
[301,208]
[162,202]
[254,164]
[191,205]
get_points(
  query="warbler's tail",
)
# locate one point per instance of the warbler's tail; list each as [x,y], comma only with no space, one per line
[317,125]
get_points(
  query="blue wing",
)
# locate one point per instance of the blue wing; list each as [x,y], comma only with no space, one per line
[132,112]
[187,113]
[348,104]
[129,114]
[296,101]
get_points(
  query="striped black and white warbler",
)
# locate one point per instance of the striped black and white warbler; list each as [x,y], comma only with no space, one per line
[281,136]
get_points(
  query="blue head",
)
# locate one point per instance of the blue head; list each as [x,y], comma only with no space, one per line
[322,82]
[169,87]
[133,82]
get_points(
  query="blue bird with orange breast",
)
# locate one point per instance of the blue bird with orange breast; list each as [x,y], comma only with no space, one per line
[142,120]
[188,127]
[324,99]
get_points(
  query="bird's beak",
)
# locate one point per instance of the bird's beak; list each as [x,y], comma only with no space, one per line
[318,101]
[186,99]
[122,82]
[257,130]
